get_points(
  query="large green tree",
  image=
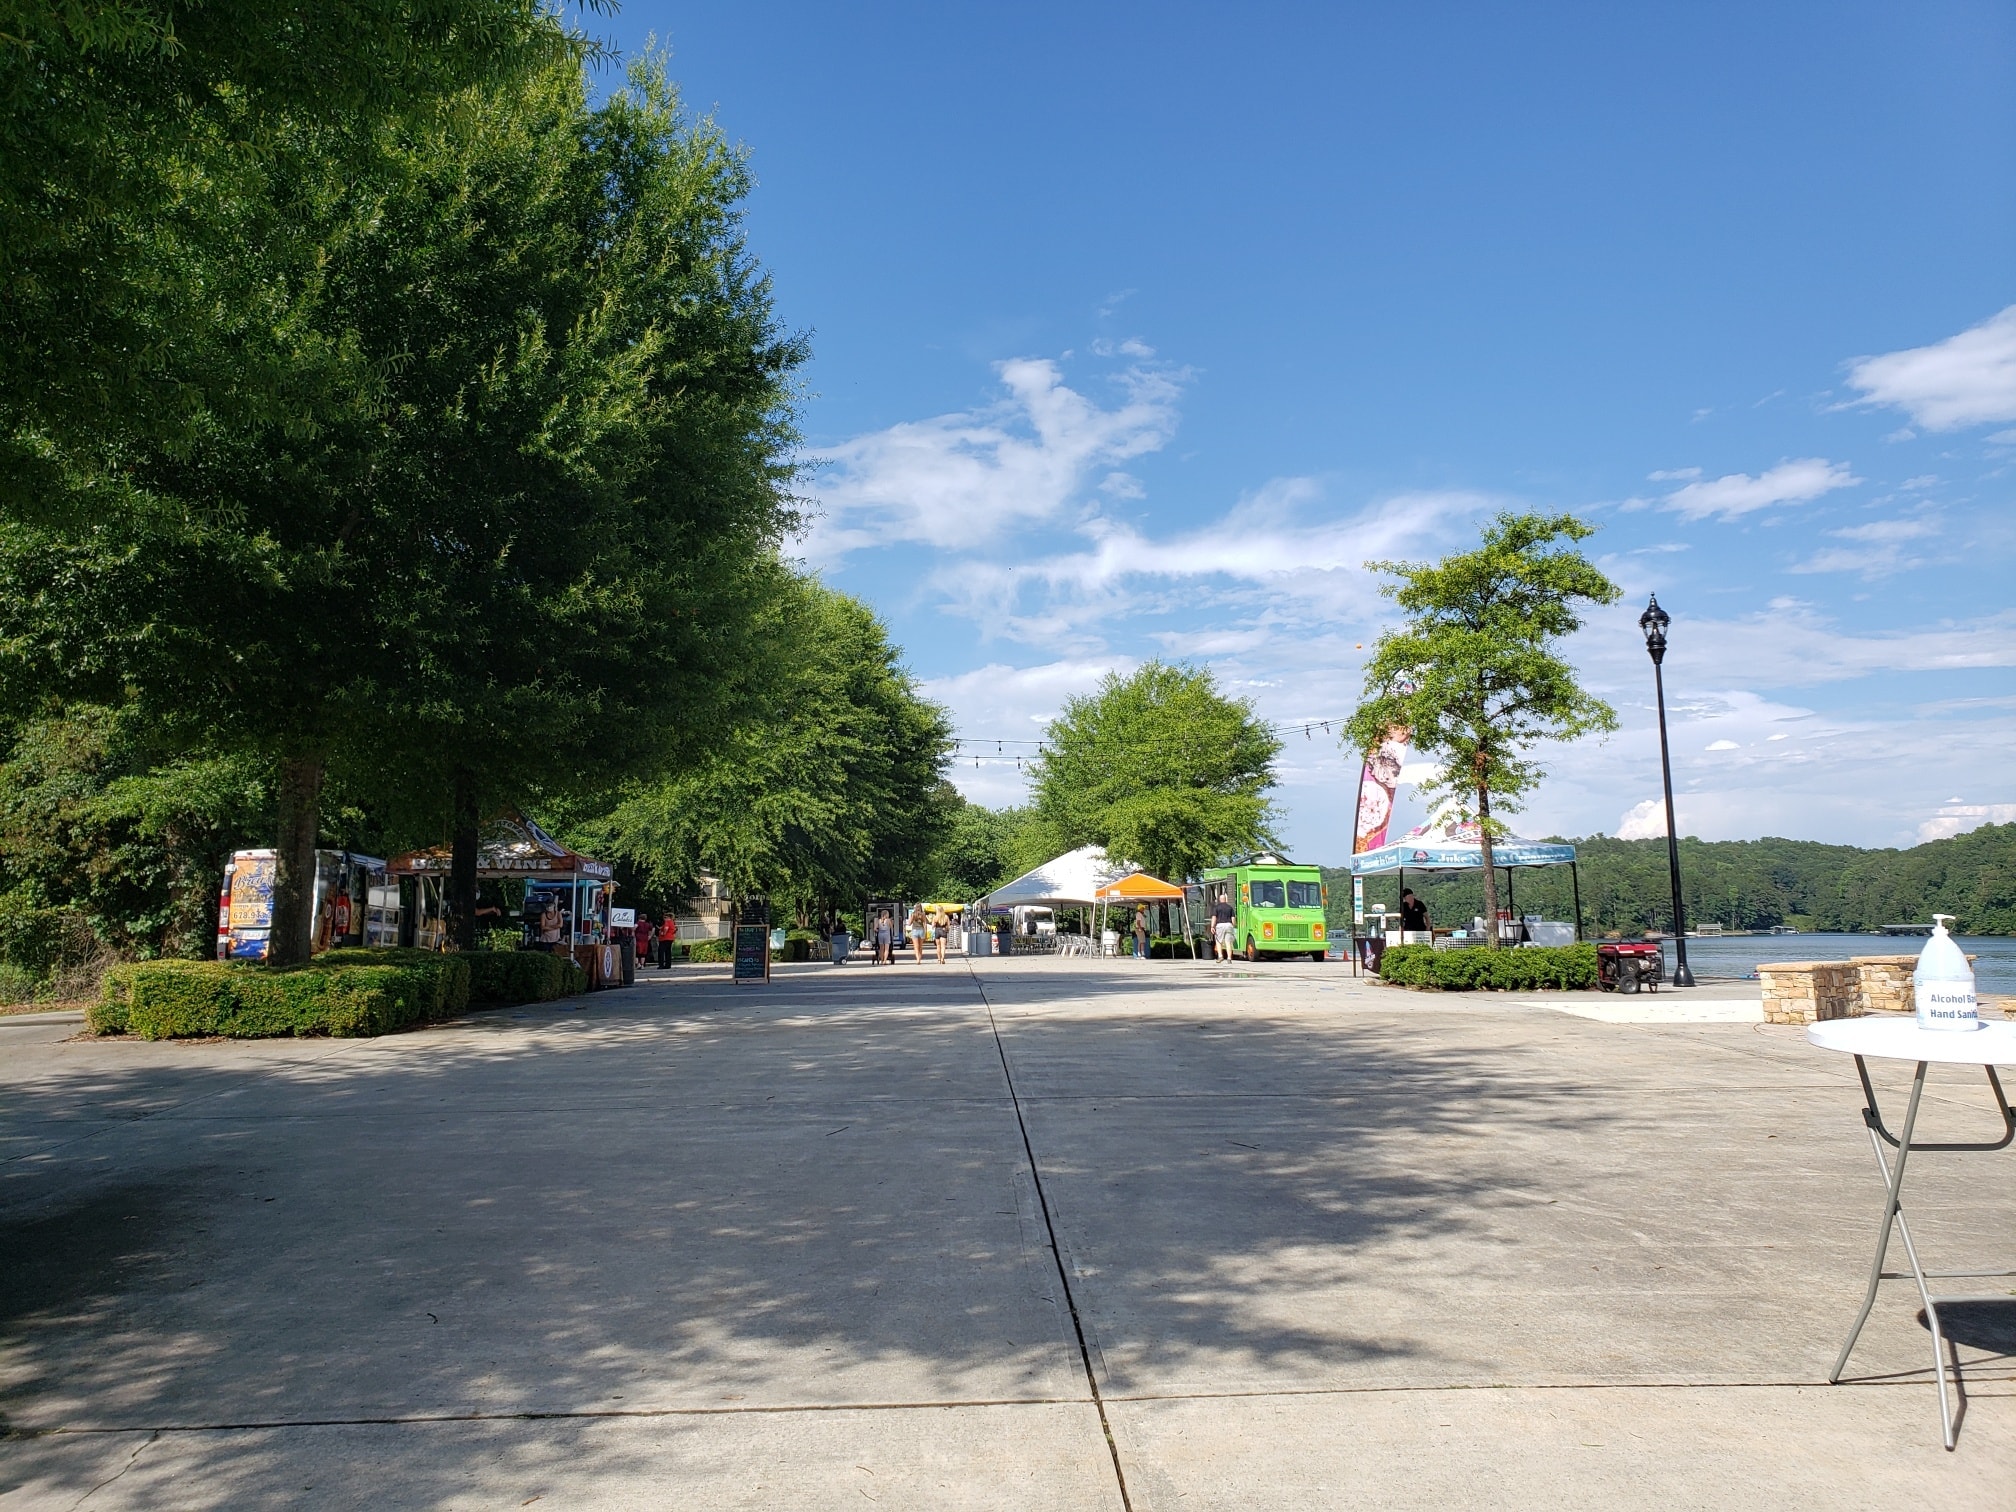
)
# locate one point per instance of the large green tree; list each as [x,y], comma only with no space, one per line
[828,789]
[174,179]
[510,471]
[584,467]
[1475,672]
[1161,769]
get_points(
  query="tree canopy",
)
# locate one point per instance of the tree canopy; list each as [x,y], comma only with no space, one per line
[484,426]
[829,788]
[1161,769]
[1474,675]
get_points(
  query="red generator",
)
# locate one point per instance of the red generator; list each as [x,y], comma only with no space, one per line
[1633,967]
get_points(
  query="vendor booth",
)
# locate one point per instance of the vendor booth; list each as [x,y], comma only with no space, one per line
[1136,888]
[559,898]
[1072,880]
[1448,845]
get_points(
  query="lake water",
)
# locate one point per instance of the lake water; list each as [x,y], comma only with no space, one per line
[1739,955]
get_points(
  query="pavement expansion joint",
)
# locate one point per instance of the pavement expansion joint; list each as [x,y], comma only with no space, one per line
[395,1420]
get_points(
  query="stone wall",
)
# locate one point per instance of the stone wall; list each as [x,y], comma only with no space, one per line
[1805,992]
[1883,983]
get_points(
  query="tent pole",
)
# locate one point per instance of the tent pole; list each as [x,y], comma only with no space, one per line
[1511,907]
[1575,877]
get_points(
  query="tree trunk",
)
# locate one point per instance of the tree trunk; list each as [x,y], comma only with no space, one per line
[300,804]
[462,859]
[1490,867]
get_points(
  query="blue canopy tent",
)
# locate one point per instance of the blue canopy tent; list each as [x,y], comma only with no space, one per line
[1458,847]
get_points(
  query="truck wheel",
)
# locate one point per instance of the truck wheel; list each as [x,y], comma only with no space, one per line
[1252,950]
[1319,955]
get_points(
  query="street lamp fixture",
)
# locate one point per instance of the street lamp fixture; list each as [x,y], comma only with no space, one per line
[1654,622]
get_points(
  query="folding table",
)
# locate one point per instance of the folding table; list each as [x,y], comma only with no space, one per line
[1991,1045]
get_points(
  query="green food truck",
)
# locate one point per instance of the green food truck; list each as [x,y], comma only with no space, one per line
[1278,906]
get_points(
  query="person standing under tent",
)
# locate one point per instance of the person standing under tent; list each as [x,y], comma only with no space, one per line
[1223,926]
[668,936]
[1413,913]
[1141,931]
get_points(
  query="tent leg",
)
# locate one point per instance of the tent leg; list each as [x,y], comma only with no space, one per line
[1511,907]
[1575,877]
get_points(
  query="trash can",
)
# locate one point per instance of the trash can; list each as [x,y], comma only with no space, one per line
[843,947]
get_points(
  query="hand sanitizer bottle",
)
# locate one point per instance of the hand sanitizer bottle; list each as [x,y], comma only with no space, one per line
[1944,982]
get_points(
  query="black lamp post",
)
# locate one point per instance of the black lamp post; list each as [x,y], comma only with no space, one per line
[1654,622]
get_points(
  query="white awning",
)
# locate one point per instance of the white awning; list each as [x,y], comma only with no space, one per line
[1072,879]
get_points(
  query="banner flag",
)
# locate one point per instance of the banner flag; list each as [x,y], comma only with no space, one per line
[1376,788]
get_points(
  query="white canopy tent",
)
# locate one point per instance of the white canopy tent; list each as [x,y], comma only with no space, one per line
[1072,880]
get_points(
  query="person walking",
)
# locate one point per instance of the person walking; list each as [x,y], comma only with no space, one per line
[941,926]
[1141,931]
[885,939]
[917,928]
[1224,924]
[668,936]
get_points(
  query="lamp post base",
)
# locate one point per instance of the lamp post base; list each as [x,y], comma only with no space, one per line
[1682,977]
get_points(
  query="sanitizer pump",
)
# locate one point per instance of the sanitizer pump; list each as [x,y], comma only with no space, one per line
[1944,982]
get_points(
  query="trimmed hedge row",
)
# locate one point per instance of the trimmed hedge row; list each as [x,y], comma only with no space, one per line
[1529,968]
[344,993]
[522,976]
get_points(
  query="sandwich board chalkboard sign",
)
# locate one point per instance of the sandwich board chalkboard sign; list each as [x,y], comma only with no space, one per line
[752,955]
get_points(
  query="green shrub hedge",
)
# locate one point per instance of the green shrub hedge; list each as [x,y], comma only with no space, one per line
[520,976]
[180,999]
[341,993]
[711,950]
[1527,969]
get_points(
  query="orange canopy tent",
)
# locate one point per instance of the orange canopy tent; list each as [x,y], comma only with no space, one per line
[1139,887]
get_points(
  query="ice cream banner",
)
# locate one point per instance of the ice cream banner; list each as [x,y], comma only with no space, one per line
[1376,788]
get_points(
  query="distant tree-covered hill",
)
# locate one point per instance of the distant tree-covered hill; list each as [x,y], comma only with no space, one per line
[1744,884]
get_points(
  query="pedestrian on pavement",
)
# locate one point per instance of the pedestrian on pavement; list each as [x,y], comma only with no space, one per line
[917,928]
[1141,931]
[668,936]
[1224,919]
[885,941]
[941,926]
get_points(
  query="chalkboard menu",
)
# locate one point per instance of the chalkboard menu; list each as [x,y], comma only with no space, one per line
[752,954]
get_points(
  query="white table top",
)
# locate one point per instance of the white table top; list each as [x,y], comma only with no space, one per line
[1993,1044]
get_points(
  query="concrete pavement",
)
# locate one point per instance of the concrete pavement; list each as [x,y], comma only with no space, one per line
[1318,1243]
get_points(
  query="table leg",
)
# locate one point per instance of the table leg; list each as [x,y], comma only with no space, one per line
[1893,1181]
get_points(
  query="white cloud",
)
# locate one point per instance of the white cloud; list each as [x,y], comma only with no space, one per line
[1957,818]
[1879,548]
[1789,644]
[974,476]
[1645,820]
[1318,564]
[1723,745]
[1009,705]
[1968,379]
[1675,475]
[1736,494]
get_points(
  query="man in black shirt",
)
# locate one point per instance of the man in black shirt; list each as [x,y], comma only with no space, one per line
[1413,913]
[1223,917]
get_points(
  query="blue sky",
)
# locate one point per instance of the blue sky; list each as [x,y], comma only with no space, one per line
[1138,329]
